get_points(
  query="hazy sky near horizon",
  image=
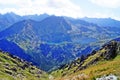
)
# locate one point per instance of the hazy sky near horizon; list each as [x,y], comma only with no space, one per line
[71,8]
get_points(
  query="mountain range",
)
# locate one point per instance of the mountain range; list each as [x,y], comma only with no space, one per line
[43,47]
[50,41]
[8,19]
[104,61]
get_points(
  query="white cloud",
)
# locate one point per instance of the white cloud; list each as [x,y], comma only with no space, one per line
[107,3]
[57,7]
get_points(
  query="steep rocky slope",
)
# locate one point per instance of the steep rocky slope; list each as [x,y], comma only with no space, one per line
[14,68]
[105,61]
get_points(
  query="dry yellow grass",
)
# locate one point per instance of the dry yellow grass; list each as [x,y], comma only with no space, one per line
[97,70]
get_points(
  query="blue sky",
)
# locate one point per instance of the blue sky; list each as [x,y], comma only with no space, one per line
[71,8]
[99,8]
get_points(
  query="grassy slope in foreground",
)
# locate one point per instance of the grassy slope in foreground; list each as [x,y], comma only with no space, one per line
[13,68]
[97,69]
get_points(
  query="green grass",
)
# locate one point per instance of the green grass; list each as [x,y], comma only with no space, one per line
[94,71]
[11,69]
[93,67]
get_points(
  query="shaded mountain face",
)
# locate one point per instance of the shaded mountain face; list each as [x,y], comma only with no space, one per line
[29,36]
[52,29]
[14,68]
[14,49]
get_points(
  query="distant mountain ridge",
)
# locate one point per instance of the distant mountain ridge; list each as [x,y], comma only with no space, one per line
[8,19]
[105,22]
